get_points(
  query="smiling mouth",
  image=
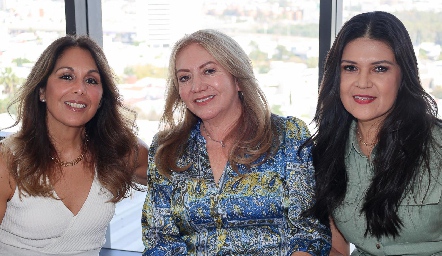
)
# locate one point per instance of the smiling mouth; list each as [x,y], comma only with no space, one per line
[75,105]
[204,99]
[363,98]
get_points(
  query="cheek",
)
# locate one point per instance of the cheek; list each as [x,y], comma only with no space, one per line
[97,92]
[343,90]
[391,97]
[390,91]
[183,92]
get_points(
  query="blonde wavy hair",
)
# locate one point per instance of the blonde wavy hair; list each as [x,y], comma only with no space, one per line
[253,133]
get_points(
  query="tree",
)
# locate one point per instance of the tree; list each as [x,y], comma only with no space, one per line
[9,80]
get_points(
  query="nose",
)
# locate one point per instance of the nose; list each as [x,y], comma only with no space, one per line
[79,87]
[364,81]
[198,84]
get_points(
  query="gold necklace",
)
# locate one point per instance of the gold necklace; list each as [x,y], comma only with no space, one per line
[76,160]
[362,141]
[208,135]
[68,163]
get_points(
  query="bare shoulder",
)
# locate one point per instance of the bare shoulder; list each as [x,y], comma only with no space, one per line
[141,170]
[6,179]
[7,183]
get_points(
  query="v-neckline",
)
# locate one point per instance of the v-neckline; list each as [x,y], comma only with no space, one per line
[84,203]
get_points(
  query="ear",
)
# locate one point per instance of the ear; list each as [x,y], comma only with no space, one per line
[237,86]
[42,95]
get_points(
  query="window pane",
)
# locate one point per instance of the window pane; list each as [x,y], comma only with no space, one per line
[27,27]
[281,38]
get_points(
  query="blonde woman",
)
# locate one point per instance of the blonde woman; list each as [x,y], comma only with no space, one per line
[225,176]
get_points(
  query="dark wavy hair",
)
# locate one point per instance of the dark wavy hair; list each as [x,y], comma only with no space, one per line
[403,140]
[111,132]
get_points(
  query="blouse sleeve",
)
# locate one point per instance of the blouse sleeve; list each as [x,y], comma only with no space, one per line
[306,234]
[159,231]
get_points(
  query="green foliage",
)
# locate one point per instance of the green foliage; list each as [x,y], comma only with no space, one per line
[312,62]
[9,80]
[20,61]
[437,92]
[282,53]
[422,26]
[276,109]
[4,103]
[259,59]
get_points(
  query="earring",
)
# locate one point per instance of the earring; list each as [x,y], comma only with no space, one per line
[43,100]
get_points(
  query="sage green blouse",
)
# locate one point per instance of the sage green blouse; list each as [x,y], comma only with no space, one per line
[421,213]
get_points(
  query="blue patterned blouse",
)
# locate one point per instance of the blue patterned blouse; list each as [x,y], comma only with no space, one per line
[256,213]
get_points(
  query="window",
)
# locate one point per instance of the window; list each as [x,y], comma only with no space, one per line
[26,28]
[281,37]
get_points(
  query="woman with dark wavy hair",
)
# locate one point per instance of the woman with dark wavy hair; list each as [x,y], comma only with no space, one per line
[74,156]
[377,149]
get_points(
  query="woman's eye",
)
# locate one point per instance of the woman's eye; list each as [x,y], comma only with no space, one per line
[183,79]
[91,81]
[349,68]
[209,71]
[380,69]
[66,77]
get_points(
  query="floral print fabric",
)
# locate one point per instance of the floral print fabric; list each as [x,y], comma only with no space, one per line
[255,212]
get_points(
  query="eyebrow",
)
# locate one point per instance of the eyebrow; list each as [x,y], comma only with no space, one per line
[375,63]
[71,69]
[200,67]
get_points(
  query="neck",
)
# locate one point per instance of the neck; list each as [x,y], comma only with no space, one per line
[367,138]
[217,133]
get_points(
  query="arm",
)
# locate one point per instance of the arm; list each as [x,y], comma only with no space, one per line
[307,234]
[141,170]
[301,254]
[339,245]
[6,185]
[160,233]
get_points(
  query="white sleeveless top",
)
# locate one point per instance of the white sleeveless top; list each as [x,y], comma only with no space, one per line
[38,226]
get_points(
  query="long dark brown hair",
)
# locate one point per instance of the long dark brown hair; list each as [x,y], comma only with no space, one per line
[111,132]
[404,137]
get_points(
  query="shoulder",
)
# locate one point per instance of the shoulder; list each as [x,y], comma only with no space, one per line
[293,126]
[6,178]
[436,132]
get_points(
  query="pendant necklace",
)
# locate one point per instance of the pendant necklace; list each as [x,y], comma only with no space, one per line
[363,142]
[208,135]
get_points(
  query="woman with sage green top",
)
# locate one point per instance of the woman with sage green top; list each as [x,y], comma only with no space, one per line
[377,149]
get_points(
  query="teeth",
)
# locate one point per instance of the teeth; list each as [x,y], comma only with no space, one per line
[363,98]
[75,105]
[202,100]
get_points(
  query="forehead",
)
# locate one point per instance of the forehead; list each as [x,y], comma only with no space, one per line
[76,56]
[192,54]
[367,48]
